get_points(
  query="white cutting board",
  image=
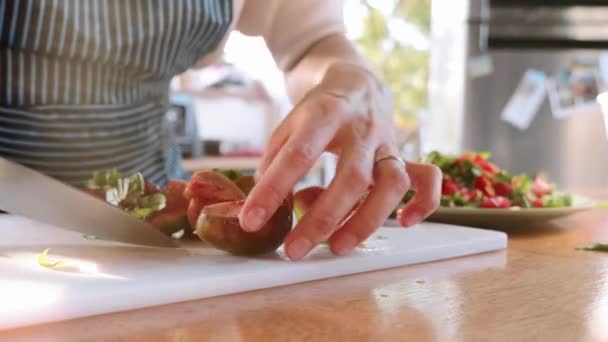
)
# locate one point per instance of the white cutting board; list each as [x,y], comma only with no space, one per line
[103,277]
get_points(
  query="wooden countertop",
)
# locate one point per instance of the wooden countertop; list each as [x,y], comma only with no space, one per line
[539,289]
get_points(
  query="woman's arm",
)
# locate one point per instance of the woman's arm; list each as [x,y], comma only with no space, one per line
[305,37]
[309,70]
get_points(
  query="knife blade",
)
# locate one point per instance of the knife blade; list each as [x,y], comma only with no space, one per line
[29,193]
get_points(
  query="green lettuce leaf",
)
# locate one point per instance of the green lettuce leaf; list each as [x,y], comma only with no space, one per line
[104,180]
[129,194]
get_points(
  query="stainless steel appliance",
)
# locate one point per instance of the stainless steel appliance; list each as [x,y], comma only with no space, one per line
[504,39]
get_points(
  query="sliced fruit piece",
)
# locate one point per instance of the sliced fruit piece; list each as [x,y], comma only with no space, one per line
[538,203]
[541,187]
[194,210]
[503,189]
[173,217]
[206,188]
[449,186]
[170,221]
[497,202]
[211,187]
[219,226]
[485,185]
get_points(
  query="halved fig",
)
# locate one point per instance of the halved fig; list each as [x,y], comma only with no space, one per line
[219,226]
[194,211]
[206,188]
[173,217]
[212,187]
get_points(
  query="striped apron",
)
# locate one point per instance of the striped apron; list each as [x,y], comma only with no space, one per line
[84,83]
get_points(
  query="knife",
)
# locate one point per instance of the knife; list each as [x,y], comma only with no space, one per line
[31,194]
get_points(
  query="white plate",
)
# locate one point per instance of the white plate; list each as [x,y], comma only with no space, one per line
[482,217]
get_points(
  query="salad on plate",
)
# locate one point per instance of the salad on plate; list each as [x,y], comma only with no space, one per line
[472,180]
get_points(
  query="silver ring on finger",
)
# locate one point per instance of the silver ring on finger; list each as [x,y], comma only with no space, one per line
[389,157]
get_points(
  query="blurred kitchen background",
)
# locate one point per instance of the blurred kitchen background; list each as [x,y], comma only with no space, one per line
[516,78]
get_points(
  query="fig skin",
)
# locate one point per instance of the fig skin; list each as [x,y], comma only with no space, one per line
[245,183]
[219,226]
[173,217]
[194,210]
[206,188]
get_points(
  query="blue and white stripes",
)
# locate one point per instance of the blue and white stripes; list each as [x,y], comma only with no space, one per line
[84,83]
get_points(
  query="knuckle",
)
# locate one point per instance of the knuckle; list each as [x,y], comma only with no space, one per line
[332,107]
[302,156]
[322,225]
[366,126]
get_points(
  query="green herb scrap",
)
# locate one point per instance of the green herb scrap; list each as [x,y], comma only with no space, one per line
[104,180]
[596,247]
[128,193]
[44,262]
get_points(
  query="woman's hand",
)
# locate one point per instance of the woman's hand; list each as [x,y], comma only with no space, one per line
[350,114]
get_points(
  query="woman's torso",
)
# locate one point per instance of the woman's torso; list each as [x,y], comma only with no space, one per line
[84,83]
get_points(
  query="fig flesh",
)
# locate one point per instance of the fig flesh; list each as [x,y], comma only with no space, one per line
[207,188]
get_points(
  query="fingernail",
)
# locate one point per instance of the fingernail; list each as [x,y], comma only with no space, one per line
[345,244]
[299,248]
[254,219]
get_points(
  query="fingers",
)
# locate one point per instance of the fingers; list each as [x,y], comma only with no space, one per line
[274,145]
[353,176]
[391,183]
[427,179]
[294,159]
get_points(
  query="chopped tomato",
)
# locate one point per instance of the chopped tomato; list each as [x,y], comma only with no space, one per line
[485,185]
[538,203]
[495,202]
[471,195]
[487,166]
[449,187]
[466,156]
[540,187]
[503,189]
